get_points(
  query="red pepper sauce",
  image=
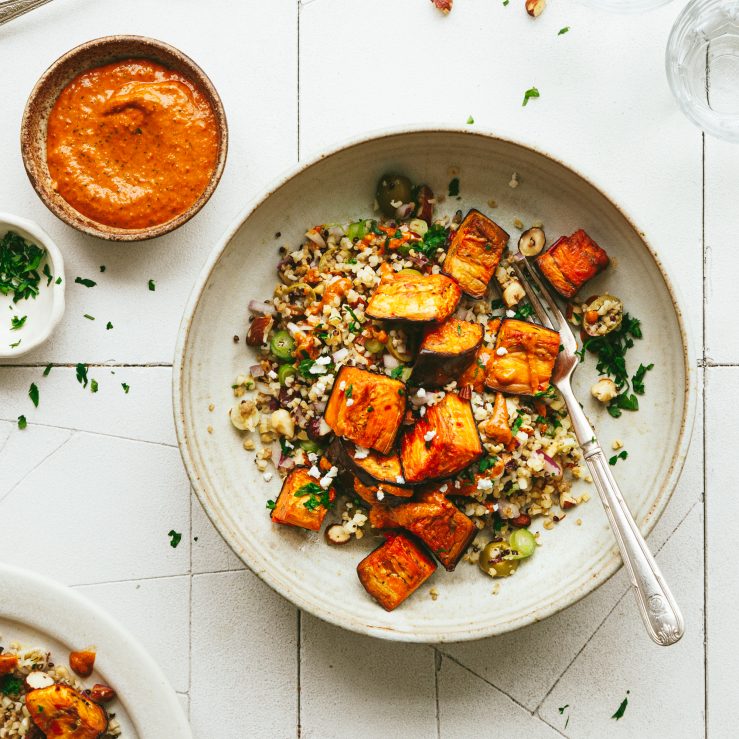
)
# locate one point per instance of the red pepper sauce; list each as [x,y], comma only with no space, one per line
[131,144]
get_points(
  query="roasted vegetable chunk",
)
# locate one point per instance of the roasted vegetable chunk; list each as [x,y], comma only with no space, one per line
[474,253]
[366,408]
[395,570]
[302,501]
[496,427]
[61,711]
[441,443]
[524,358]
[445,352]
[366,476]
[571,261]
[411,296]
[436,521]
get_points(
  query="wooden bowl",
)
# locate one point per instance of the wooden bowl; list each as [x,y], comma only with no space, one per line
[92,54]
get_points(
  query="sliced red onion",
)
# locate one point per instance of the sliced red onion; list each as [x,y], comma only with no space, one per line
[256,370]
[404,210]
[419,260]
[551,466]
[390,361]
[336,231]
[265,309]
[286,463]
[315,236]
[320,406]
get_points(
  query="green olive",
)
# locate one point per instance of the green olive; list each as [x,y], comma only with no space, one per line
[409,271]
[373,346]
[523,543]
[393,188]
[491,562]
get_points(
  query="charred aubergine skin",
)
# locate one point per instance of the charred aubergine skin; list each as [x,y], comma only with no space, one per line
[523,359]
[571,261]
[411,296]
[445,352]
[474,253]
[366,408]
[395,570]
[436,521]
[442,443]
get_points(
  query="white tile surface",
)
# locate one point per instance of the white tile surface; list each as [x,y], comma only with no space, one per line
[101,472]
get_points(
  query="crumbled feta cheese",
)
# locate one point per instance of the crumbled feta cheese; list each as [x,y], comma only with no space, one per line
[380,495]
[361,452]
[514,181]
[484,484]
[510,313]
[267,476]
[457,484]
[443,488]
[323,360]
[429,435]
[484,357]
[341,355]
[349,401]
[501,351]
[327,479]
[314,472]
[342,385]
[421,393]
[523,483]
[522,436]
[422,411]
[272,375]
[400,479]
[312,457]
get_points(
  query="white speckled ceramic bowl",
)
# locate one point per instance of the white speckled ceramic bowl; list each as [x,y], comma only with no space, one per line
[43,312]
[339,186]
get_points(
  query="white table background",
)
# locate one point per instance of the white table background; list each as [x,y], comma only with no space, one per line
[98,478]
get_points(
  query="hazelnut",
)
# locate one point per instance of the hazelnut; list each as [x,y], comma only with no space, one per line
[102,693]
[337,534]
[535,7]
[604,390]
[532,241]
[513,294]
[244,416]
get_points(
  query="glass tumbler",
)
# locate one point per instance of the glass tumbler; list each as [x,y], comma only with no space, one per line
[703,65]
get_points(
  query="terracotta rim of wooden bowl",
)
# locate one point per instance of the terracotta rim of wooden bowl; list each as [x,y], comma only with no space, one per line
[95,53]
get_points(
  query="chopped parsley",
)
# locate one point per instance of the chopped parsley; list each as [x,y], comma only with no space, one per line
[108,326]
[17,343]
[93,386]
[532,92]
[48,369]
[454,187]
[563,31]
[516,425]
[486,463]
[88,317]
[470,120]
[126,387]
[637,381]
[33,393]
[316,495]
[433,240]
[152,285]
[81,371]
[304,366]
[271,505]
[47,274]
[397,372]
[102,268]
[523,312]
[10,685]
[348,391]
[505,2]
[22,423]
[175,537]
[84,281]
[356,323]
[19,263]
[497,304]
[621,455]
[561,709]
[16,322]
[622,708]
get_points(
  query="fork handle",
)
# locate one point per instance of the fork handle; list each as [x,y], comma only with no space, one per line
[657,606]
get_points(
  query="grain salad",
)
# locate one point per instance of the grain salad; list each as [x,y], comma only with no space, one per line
[400,388]
[39,697]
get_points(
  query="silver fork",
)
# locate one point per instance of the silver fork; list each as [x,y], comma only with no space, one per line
[10,9]
[658,608]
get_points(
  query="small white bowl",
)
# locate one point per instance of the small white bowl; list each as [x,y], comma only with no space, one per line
[46,310]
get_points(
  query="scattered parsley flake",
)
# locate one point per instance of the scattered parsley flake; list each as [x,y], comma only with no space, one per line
[532,92]
[454,187]
[17,343]
[84,281]
[10,685]
[561,709]
[622,708]
[93,386]
[152,285]
[22,423]
[126,387]
[102,268]
[317,496]
[48,369]
[33,393]
[621,455]
[470,120]
[271,505]
[174,538]
[88,317]
[397,372]
[58,281]
[47,274]
[81,370]
[637,381]
[433,240]
[17,322]
[505,2]
[108,326]
[563,31]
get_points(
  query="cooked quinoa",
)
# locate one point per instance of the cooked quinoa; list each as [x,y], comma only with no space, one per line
[319,302]
[15,719]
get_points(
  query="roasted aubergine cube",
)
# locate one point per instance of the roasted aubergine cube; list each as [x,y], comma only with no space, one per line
[571,261]
[446,351]
[366,408]
[436,521]
[302,502]
[441,443]
[365,473]
[63,712]
[410,296]
[523,359]
[395,570]
[474,253]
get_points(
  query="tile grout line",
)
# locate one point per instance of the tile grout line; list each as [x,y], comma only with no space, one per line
[190,596]
[154,577]
[299,706]
[437,666]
